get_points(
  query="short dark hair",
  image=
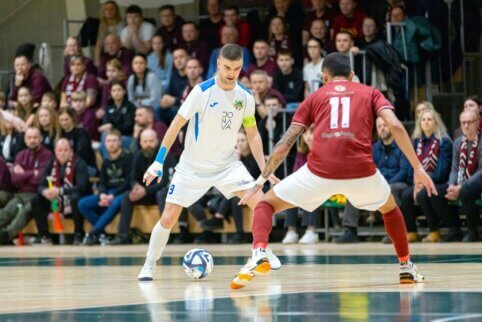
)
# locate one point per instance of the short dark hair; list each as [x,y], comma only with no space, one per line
[167,7]
[148,109]
[134,9]
[231,52]
[474,98]
[115,132]
[336,64]
[285,52]
[262,40]
[191,23]
[272,97]
[344,32]
[233,7]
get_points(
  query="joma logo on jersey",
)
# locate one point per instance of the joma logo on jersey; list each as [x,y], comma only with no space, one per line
[227,120]
[238,104]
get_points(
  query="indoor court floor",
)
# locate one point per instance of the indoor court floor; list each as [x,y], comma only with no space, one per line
[322,282]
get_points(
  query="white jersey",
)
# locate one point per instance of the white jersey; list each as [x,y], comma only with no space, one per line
[215,117]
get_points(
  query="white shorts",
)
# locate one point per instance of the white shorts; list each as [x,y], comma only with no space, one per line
[187,187]
[306,190]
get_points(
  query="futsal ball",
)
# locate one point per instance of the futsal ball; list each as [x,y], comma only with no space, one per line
[197,263]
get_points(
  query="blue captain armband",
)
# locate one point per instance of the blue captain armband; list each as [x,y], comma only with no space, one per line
[161,155]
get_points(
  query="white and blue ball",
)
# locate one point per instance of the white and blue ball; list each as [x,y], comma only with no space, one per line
[197,263]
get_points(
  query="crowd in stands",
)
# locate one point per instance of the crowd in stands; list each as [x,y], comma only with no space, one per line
[108,114]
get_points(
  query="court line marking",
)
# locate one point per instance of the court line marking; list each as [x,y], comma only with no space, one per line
[459,317]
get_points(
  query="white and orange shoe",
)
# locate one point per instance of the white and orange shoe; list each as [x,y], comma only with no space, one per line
[409,274]
[258,264]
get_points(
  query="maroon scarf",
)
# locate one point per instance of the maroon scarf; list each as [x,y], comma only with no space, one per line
[467,161]
[73,86]
[429,157]
[68,182]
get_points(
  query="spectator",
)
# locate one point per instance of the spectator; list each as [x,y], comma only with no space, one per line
[160,61]
[465,182]
[473,103]
[421,107]
[119,115]
[433,148]
[79,81]
[349,19]
[70,180]
[230,207]
[312,71]
[26,172]
[143,87]
[171,25]
[139,194]
[171,100]
[11,141]
[344,44]
[47,122]
[229,34]
[370,33]
[319,30]
[110,23]
[78,138]
[261,89]
[100,209]
[49,100]
[232,18]
[288,79]
[72,48]
[114,74]
[263,61]
[294,17]
[137,34]
[113,50]
[27,75]
[25,109]
[308,218]
[320,12]
[195,47]
[393,165]
[144,119]
[194,72]
[211,25]
[278,36]
[85,116]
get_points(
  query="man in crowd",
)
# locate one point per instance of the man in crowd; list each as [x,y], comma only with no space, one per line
[113,49]
[138,33]
[261,88]
[195,47]
[171,25]
[288,79]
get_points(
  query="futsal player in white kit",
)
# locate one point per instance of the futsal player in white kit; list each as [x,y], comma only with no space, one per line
[216,109]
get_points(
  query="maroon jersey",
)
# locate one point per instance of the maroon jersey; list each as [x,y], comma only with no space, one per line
[343,113]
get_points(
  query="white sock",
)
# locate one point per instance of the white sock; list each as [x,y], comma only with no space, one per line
[157,243]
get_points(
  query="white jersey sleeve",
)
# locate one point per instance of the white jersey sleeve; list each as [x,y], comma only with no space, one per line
[192,104]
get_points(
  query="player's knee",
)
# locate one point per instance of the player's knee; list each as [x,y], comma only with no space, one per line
[169,216]
[389,205]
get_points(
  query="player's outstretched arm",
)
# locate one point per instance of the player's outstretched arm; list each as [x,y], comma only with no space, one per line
[420,177]
[15,121]
[155,169]
[280,151]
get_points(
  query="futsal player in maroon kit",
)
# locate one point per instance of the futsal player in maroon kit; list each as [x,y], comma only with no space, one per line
[340,162]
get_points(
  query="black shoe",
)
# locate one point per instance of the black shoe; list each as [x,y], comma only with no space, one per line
[454,235]
[349,237]
[119,240]
[471,236]
[212,224]
[4,237]
[78,238]
[90,240]
[237,238]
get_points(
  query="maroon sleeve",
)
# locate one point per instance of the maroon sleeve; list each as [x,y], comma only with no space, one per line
[379,102]
[64,84]
[91,82]
[244,34]
[39,86]
[303,113]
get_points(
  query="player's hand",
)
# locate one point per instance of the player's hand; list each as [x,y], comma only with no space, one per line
[248,194]
[15,121]
[422,179]
[273,179]
[153,172]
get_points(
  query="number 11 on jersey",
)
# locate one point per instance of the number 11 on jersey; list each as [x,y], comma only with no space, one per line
[345,112]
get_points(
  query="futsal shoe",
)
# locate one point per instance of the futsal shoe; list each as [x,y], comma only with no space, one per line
[291,237]
[273,260]
[309,237]
[409,274]
[147,272]
[258,264]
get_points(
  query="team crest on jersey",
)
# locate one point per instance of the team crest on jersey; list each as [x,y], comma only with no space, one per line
[238,104]
[340,88]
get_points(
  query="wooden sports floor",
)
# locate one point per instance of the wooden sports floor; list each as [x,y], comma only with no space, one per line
[323,282]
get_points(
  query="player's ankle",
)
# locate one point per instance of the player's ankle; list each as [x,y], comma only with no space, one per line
[260,245]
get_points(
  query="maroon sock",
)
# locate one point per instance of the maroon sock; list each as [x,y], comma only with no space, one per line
[262,224]
[397,231]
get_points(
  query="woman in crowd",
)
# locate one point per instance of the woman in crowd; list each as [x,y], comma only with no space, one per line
[277,36]
[114,74]
[79,80]
[143,86]
[160,61]
[72,47]
[79,138]
[46,120]
[110,22]
[434,150]
[312,70]
[25,108]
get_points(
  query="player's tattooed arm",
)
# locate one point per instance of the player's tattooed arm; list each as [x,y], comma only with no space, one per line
[281,149]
